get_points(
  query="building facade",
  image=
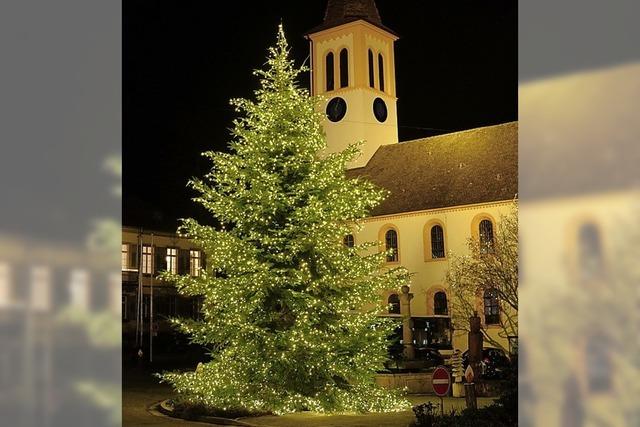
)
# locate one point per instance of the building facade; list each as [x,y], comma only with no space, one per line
[145,254]
[444,190]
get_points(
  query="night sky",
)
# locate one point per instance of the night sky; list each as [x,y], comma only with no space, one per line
[456,68]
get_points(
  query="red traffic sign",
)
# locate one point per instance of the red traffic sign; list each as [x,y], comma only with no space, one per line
[441,381]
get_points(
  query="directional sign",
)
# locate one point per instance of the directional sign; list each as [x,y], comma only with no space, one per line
[441,381]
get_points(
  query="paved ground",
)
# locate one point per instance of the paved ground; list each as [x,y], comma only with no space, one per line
[140,390]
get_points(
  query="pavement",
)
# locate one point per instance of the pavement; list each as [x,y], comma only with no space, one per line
[141,390]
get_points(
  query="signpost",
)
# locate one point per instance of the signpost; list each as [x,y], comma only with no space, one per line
[441,382]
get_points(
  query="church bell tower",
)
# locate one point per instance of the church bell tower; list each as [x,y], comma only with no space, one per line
[353,69]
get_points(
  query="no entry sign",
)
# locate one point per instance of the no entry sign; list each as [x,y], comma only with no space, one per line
[441,381]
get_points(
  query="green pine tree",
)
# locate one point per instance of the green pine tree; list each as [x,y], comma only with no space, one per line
[281,288]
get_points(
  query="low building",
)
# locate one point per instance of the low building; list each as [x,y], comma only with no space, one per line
[146,253]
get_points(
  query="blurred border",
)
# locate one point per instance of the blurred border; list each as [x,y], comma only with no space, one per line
[60,220]
[578,156]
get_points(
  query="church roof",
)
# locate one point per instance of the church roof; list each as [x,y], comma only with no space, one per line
[474,166]
[341,12]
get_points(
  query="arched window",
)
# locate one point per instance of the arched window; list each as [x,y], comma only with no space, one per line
[349,241]
[344,68]
[394,304]
[590,253]
[440,304]
[437,242]
[381,71]
[486,236]
[372,82]
[329,71]
[491,307]
[391,242]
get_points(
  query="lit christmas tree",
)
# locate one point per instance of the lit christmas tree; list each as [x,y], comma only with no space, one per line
[281,288]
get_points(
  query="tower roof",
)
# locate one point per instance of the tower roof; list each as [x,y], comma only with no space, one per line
[341,12]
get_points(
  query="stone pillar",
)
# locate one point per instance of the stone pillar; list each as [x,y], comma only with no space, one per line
[475,344]
[407,333]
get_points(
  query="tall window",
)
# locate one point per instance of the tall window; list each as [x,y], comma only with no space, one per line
[391,243]
[381,71]
[5,285]
[486,236]
[437,242]
[79,289]
[590,252]
[349,241]
[372,82]
[40,292]
[195,262]
[172,260]
[440,304]
[147,253]
[394,304]
[491,307]
[344,68]
[329,71]
[125,256]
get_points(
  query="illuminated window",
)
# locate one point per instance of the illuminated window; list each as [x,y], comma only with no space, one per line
[172,260]
[437,242]
[391,242]
[440,304]
[147,259]
[344,68]
[371,71]
[486,236]
[381,71]
[125,256]
[349,241]
[329,71]
[195,263]
[40,295]
[491,307]
[394,304]
[5,285]
[79,289]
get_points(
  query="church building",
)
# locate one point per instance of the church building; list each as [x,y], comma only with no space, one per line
[444,189]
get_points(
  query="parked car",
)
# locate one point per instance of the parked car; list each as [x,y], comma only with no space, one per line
[430,355]
[494,364]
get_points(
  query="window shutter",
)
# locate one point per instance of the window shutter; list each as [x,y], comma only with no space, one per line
[183,261]
[133,256]
[161,259]
[203,260]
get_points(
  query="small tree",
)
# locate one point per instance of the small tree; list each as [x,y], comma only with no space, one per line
[280,287]
[485,268]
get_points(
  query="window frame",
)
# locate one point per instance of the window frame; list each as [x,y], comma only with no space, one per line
[381,75]
[486,246]
[171,257]
[195,262]
[329,72]
[372,71]
[493,306]
[390,304]
[395,258]
[146,260]
[343,66]
[435,305]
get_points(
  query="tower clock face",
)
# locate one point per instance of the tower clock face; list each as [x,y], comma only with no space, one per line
[336,109]
[380,110]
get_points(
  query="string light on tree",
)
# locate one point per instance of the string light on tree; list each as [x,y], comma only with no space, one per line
[280,285]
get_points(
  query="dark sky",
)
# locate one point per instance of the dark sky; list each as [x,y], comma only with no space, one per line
[456,68]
